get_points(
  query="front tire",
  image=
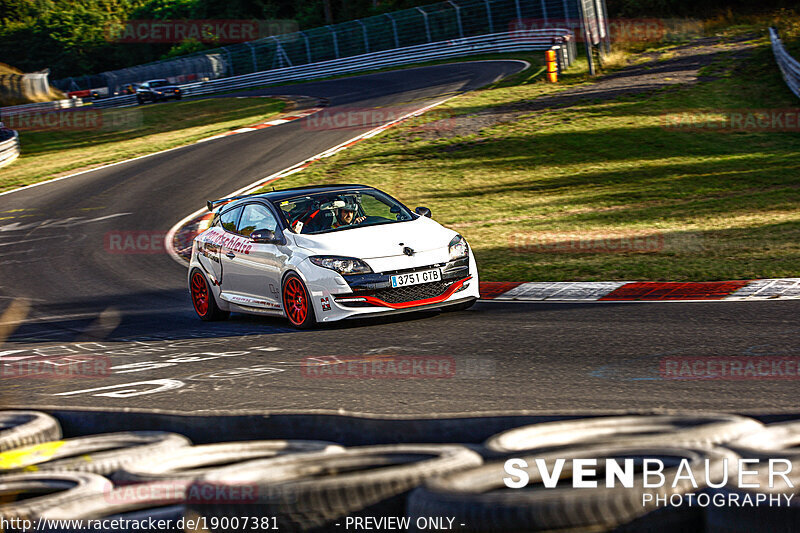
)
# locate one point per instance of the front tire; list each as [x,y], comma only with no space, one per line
[205,305]
[297,304]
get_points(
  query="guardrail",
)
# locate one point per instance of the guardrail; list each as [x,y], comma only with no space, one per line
[516,41]
[9,146]
[41,106]
[422,24]
[790,67]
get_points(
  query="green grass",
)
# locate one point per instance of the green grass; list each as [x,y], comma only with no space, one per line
[129,132]
[530,195]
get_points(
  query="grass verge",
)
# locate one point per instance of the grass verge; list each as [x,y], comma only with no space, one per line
[90,138]
[602,189]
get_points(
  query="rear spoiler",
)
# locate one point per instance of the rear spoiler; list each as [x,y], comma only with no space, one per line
[213,204]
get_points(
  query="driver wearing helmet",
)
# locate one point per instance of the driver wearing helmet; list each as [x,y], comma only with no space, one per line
[346,216]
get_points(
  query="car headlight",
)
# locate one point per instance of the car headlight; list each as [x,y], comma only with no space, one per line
[458,247]
[342,265]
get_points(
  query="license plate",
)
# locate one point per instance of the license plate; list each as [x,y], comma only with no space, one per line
[415,278]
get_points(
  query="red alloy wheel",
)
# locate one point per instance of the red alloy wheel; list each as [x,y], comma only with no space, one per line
[200,294]
[295,301]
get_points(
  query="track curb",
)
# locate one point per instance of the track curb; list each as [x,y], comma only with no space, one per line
[643,291]
[318,105]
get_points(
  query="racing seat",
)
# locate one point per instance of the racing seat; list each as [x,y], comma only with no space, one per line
[318,221]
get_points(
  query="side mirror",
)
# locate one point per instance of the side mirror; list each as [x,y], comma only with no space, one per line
[265,236]
[423,211]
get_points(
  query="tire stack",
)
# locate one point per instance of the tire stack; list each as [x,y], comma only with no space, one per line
[779,443]
[307,485]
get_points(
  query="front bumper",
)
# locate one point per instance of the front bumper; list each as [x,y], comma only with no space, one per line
[375,290]
[340,297]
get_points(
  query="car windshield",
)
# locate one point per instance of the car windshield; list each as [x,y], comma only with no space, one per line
[341,210]
[159,83]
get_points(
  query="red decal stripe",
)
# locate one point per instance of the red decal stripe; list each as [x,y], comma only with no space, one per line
[427,301]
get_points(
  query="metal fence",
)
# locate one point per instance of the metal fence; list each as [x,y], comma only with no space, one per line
[790,67]
[398,30]
[519,41]
[9,146]
[33,85]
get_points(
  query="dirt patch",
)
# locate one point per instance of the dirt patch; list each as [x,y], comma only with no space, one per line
[681,69]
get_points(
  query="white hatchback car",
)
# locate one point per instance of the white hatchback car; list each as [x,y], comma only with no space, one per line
[324,253]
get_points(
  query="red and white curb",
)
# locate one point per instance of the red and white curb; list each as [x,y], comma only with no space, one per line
[274,122]
[643,291]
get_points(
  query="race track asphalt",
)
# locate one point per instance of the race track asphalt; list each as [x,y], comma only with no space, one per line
[131,315]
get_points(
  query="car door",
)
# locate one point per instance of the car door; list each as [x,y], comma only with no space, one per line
[252,271]
[211,243]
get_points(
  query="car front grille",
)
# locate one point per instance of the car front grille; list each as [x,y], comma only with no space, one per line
[412,293]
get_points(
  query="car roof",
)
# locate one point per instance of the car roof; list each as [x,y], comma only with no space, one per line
[283,194]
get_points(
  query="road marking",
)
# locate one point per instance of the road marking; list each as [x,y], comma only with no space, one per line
[128,389]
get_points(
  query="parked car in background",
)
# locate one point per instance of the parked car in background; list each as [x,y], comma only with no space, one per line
[157,90]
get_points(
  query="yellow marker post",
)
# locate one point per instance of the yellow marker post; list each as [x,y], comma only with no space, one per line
[552,66]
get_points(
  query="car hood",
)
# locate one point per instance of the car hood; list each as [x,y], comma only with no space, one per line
[373,242]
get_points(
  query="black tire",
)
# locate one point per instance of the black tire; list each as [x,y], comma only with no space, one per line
[758,517]
[774,440]
[463,306]
[689,430]
[200,291]
[178,96]
[297,304]
[86,454]
[479,499]
[25,428]
[196,461]
[310,491]
[59,488]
